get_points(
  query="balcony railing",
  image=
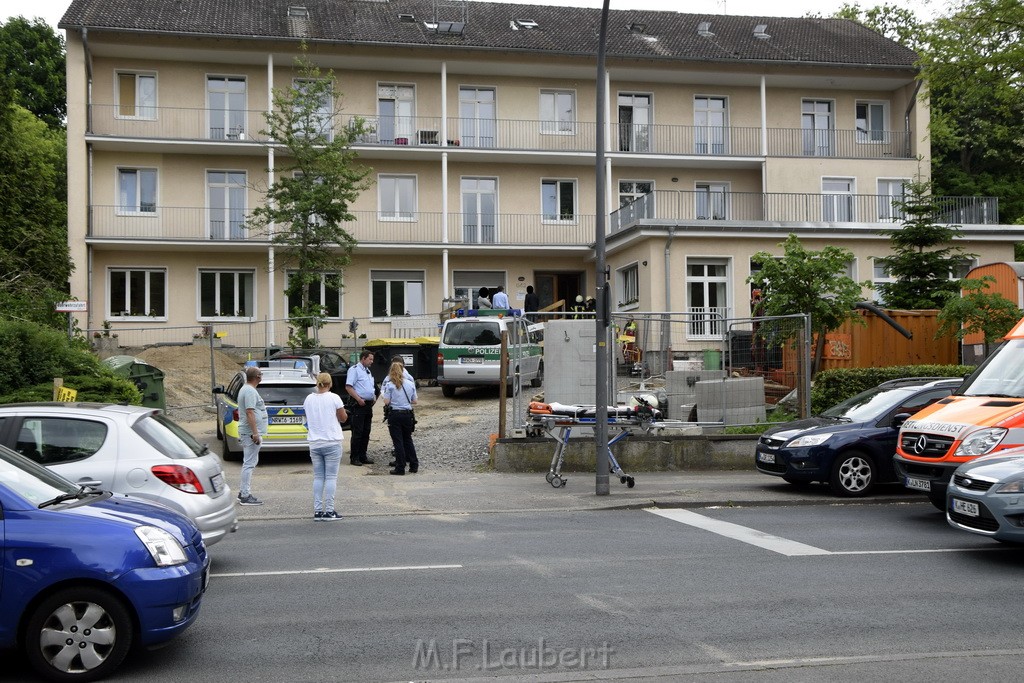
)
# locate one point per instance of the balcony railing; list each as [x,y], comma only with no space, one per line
[192,224]
[695,205]
[246,126]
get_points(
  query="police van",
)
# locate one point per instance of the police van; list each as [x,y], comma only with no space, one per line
[469,353]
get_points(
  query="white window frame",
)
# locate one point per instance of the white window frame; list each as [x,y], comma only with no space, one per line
[466,284]
[639,134]
[816,141]
[321,296]
[398,180]
[142,110]
[126,313]
[887,213]
[865,135]
[476,130]
[559,184]
[482,235]
[628,280]
[551,120]
[325,113]
[413,284]
[831,208]
[136,208]
[711,136]
[712,326]
[404,97]
[228,232]
[239,277]
[235,121]
[707,189]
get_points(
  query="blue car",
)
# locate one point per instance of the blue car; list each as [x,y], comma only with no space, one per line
[86,575]
[851,445]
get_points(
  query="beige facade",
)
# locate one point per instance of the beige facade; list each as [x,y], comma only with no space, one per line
[482,169]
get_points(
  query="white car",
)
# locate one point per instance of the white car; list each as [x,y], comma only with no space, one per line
[129,450]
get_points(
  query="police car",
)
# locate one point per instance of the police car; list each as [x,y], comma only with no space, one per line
[284,387]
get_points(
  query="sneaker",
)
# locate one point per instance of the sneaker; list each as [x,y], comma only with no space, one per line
[330,516]
[317,516]
[249,499]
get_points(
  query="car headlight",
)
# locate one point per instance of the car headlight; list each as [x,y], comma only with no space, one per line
[1015,486]
[981,442]
[809,440]
[164,548]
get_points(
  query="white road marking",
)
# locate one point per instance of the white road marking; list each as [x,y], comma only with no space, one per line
[776,544]
[326,570]
[780,545]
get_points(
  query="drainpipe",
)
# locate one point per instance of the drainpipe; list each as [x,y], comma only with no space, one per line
[668,261]
[444,179]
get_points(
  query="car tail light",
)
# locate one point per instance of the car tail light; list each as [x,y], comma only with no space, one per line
[234,415]
[440,360]
[178,476]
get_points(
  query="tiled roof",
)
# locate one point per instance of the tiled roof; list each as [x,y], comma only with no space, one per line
[566,30]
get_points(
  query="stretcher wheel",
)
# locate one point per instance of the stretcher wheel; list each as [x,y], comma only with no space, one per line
[630,483]
[622,480]
[557,482]
[548,477]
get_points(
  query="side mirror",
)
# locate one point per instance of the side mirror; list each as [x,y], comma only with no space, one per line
[219,389]
[899,418]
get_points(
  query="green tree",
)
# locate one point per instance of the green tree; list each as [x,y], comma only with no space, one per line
[34,260]
[33,54]
[978,310]
[924,258]
[893,22]
[804,281]
[318,178]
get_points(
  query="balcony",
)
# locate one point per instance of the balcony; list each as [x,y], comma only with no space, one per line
[510,135]
[779,207]
[204,225]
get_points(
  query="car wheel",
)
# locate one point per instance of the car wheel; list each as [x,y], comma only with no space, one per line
[853,474]
[448,391]
[220,433]
[78,634]
[539,379]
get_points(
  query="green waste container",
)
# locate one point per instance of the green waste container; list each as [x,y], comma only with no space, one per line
[426,359]
[384,349]
[712,359]
[149,379]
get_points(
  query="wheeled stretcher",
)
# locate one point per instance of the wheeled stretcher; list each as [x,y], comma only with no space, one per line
[559,419]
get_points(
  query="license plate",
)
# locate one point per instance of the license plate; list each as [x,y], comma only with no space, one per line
[766,457]
[918,484]
[290,420]
[217,482]
[965,507]
[471,359]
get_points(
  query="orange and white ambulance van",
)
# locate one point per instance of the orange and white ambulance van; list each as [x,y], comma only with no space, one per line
[984,415]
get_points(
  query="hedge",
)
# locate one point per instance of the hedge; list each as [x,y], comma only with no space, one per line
[832,386]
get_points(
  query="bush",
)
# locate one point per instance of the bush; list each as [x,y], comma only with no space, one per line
[832,386]
[33,355]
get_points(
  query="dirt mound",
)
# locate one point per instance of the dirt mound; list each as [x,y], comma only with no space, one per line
[186,369]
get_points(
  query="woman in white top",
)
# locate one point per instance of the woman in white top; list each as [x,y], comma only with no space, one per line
[324,415]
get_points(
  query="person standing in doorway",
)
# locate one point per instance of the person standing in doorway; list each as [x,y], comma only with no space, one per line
[252,427]
[578,308]
[399,396]
[483,298]
[499,299]
[359,385]
[532,302]
[324,414]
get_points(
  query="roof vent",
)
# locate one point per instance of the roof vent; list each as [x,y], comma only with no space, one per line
[704,29]
[525,23]
[407,18]
[298,12]
[637,27]
[759,32]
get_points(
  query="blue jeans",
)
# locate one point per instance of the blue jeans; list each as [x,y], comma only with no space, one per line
[250,458]
[326,460]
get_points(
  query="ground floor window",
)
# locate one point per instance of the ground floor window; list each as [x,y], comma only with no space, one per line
[227,294]
[628,286]
[137,293]
[396,292]
[325,292]
[707,293]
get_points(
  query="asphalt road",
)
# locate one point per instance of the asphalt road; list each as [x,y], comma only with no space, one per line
[805,593]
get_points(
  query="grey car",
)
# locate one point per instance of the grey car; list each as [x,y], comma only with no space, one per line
[128,450]
[986,496]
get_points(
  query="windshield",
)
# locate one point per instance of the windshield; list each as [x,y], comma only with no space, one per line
[168,437]
[867,405]
[1002,374]
[284,394]
[483,333]
[31,481]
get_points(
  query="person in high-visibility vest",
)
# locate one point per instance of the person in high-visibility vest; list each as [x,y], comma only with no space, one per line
[578,308]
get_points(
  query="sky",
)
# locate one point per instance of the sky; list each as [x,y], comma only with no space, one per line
[52,10]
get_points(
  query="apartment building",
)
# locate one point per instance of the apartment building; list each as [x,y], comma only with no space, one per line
[724,135]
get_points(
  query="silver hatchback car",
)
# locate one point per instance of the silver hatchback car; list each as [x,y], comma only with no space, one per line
[128,450]
[986,496]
